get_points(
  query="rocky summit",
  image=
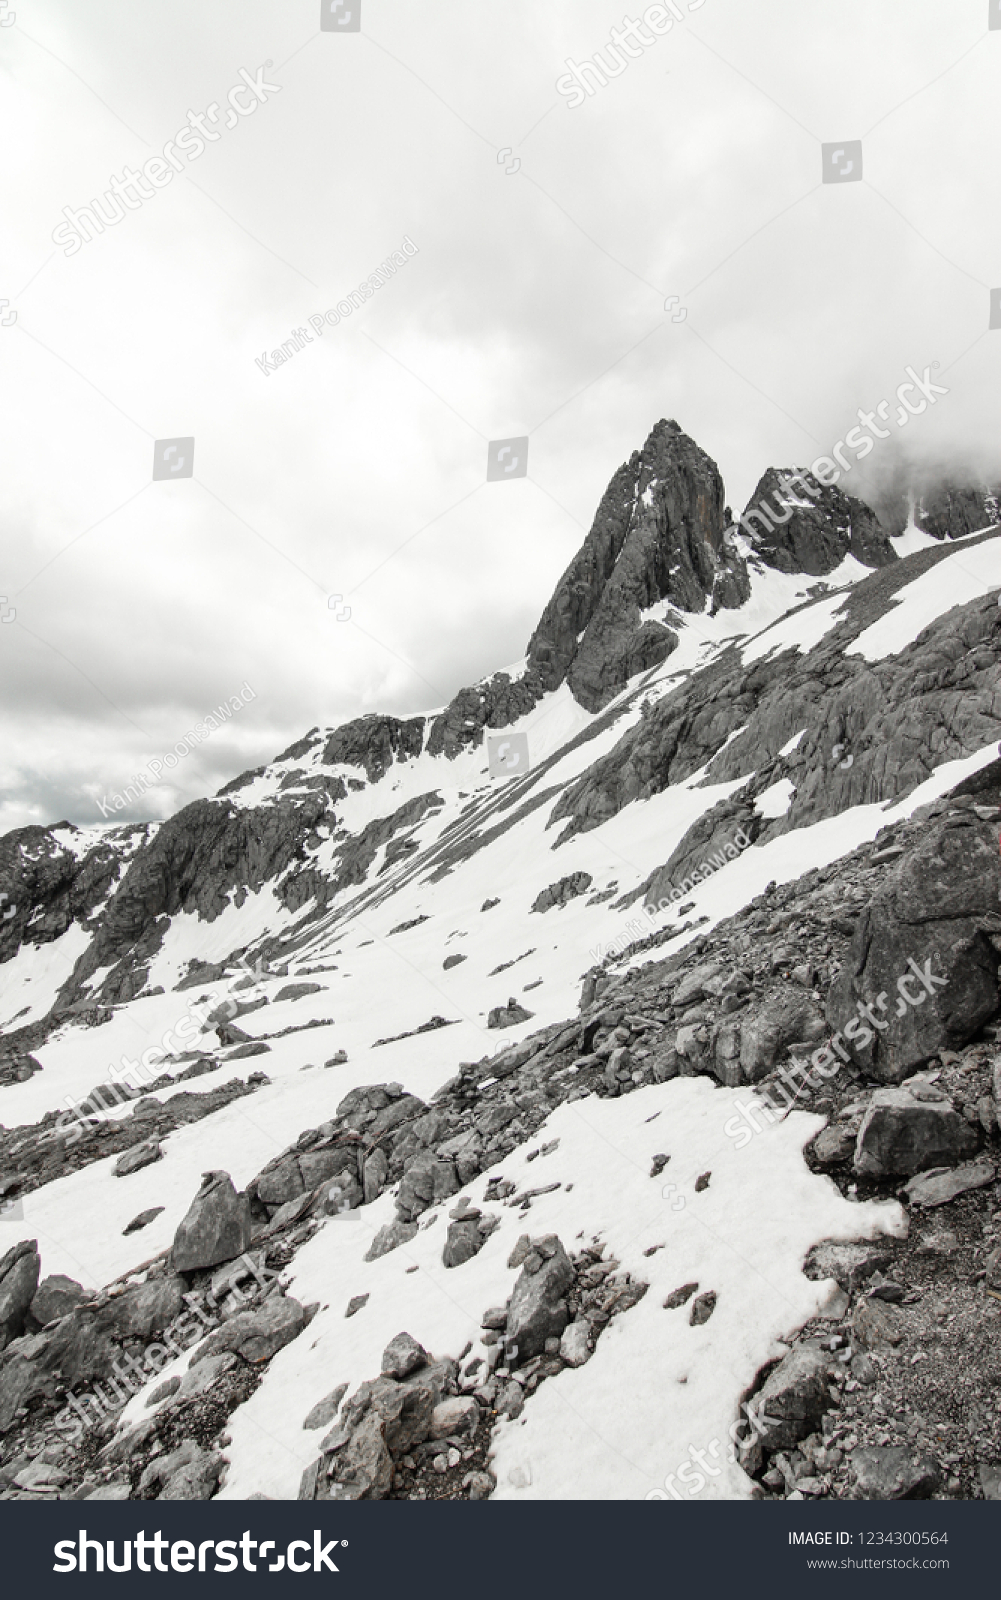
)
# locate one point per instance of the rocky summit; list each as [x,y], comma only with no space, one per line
[602,1071]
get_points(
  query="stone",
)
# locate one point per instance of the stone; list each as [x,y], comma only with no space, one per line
[848,1264]
[702,1308]
[559,894]
[217,1227]
[538,1310]
[793,1398]
[140,1155]
[990,1479]
[56,1297]
[834,1145]
[575,1348]
[374,1175]
[200,1378]
[256,1335]
[922,947]
[938,1188]
[508,1016]
[895,1472]
[480,1486]
[457,1415]
[144,1309]
[364,1467]
[143,1220]
[901,1135]
[164,1391]
[326,1409]
[766,1032]
[19,1274]
[356,1304]
[196,1479]
[877,1324]
[389,1237]
[680,1297]
[402,1356]
[462,1242]
[426,1182]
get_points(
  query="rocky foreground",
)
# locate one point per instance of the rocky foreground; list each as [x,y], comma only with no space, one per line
[866,991]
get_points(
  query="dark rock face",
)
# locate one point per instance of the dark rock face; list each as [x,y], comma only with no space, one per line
[374,743]
[57,1296]
[19,1271]
[796,524]
[660,534]
[558,894]
[951,511]
[922,958]
[217,1227]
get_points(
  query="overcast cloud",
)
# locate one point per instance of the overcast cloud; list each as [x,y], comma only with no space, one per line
[547,239]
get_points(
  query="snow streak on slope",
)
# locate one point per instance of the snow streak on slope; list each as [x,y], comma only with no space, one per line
[953,582]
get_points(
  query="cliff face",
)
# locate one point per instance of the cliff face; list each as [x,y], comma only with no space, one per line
[797,524]
[661,533]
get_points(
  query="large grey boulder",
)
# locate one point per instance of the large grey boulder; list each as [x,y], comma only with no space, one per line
[364,1467]
[793,1398]
[402,1356]
[256,1335]
[19,1273]
[144,1309]
[538,1310]
[426,1181]
[922,957]
[389,1237]
[140,1155]
[217,1227]
[56,1297]
[789,1017]
[902,1134]
[895,1473]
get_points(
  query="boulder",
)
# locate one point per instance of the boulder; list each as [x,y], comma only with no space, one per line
[256,1335]
[56,1297]
[19,1274]
[141,1155]
[508,1016]
[834,1145]
[459,1414]
[389,1237]
[463,1241]
[559,894]
[894,1472]
[217,1227]
[538,1309]
[849,1264]
[364,1467]
[922,957]
[938,1188]
[575,1346]
[426,1182]
[144,1309]
[766,1032]
[196,1479]
[793,1398]
[374,1175]
[402,1356]
[901,1135]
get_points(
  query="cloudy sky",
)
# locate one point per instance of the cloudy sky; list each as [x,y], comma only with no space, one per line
[547,240]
